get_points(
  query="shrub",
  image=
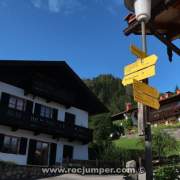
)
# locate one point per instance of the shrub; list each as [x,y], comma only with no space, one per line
[108,151]
[162,141]
[167,172]
[7,163]
[128,124]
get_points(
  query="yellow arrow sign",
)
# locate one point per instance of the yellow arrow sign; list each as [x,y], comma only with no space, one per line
[136,51]
[141,64]
[143,74]
[145,99]
[146,89]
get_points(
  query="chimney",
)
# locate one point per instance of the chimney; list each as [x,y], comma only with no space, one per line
[161,97]
[128,106]
[167,95]
[178,91]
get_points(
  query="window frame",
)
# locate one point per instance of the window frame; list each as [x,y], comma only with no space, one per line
[50,116]
[17,145]
[47,156]
[24,101]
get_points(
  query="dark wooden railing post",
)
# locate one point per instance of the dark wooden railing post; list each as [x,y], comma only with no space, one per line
[122,162]
[97,162]
[67,161]
[140,161]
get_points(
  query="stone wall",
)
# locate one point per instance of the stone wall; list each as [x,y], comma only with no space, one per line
[22,172]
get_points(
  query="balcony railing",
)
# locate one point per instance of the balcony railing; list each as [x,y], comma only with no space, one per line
[164,114]
[52,91]
[24,120]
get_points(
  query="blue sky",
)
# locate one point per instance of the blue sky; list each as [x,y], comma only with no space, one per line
[87,34]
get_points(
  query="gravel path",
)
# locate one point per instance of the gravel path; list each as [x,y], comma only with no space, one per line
[90,177]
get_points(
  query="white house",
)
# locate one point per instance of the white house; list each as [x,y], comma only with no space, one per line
[44,109]
[129,112]
[169,110]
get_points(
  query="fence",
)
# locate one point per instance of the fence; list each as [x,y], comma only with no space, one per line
[161,160]
[66,162]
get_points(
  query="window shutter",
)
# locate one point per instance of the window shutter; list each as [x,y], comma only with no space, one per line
[37,110]
[72,119]
[5,99]
[65,151]
[23,146]
[68,151]
[29,106]
[32,152]
[1,141]
[69,118]
[52,159]
[55,114]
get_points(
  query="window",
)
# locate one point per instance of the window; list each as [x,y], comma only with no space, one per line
[10,144]
[45,111]
[41,153]
[16,103]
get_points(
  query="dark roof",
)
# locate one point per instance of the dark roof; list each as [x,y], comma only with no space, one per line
[120,116]
[162,102]
[171,99]
[15,72]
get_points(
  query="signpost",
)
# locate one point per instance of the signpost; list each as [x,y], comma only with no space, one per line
[141,64]
[146,100]
[146,89]
[140,75]
[136,51]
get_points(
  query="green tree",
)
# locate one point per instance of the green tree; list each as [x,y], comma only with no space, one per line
[176,88]
[102,126]
[110,91]
[128,124]
[108,151]
[162,141]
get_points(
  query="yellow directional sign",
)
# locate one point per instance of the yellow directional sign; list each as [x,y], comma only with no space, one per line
[143,74]
[141,64]
[146,89]
[145,99]
[136,51]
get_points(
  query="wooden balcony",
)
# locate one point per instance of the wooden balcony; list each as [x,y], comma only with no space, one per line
[22,120]
[50,91]
[164,114]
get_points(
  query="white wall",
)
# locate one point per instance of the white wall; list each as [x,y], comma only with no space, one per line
[167,106]
[126,115]
[133,118]
[81,116]
[80,151]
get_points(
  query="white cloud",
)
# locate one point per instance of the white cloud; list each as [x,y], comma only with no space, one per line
[111,9]
[99,1]
[64,5]
[4,3]
[118,2]
[37,3]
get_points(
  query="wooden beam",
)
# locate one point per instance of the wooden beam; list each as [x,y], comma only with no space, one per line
[174,34]
[85,142]
[68,106]
[55,136]
[36,133]
[14,128]
[71,139]
[26,92]
[48,100]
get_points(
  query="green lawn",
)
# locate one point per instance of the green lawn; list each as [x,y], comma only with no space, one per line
[130,143]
